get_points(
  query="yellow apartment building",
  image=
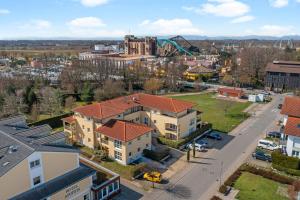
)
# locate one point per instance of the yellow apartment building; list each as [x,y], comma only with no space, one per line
[167,117]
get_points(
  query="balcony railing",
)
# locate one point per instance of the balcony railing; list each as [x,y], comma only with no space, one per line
[171,129]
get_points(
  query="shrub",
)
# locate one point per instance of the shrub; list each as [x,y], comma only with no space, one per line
[285,161]
[223,189]
[156,155]
[231,180]
[215,198]
[292,172]
[177,143]
[138,169]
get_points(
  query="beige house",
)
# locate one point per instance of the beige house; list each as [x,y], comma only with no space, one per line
[167,117]
[36,165]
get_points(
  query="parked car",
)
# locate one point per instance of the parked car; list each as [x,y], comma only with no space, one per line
[269,145]
[153,177]
[260,155]
[203,143]
[274,134]
[198,147]
[214,135]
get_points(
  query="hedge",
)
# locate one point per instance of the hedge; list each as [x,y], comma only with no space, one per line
[292,172]
[156,155]
[54,122]
[177,143]
[257,171]
[285,161]
[215,198]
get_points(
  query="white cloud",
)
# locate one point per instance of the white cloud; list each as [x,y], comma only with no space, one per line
[222,8]
[170,27]
[88,22]
[4,12]
[275,30]
[37,24]
[243,19]
[279,3]
[93,3]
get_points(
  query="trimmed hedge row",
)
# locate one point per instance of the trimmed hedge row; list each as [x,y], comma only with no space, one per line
[284,161]
[156,155]
[177,143]
[293,172]
[257,171]
[54,122]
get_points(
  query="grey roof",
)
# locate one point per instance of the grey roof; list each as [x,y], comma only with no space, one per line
[17,142]
[55,185]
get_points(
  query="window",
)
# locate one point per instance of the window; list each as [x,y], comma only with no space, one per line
[116,185]
[139,149]
[192,122]
[146,120]
[89,139]
[104,192]
[129,154]
[35,163]
[147,145]
[154,121]
[36,180]
[86,197]
[118,144]
[147,134]
[173,126]
[118,155]
[88,130]
[82,126]
[137,119]
[295,153]
[110,188]
[129,143]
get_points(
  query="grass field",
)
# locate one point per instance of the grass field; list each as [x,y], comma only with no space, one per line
[214,113]
[253,187]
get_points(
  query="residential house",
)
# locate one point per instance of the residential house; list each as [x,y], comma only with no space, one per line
[35,165]
[143,115]
[291,122]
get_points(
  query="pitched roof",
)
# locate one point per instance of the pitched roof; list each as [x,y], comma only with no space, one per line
[119,105]
[291,106]
[69,119]
[231,90]
[123,130]
[284,66]
[292,126]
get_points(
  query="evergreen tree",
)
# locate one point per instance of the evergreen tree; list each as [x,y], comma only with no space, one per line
[87,93]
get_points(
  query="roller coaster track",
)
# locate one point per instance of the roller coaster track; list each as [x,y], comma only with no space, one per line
[180,44]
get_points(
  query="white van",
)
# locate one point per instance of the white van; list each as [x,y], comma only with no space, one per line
[269,145]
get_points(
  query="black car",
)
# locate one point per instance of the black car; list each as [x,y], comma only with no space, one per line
[262,156]
[274,134]
[214,135]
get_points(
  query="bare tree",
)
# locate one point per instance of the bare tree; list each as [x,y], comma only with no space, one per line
[152,85]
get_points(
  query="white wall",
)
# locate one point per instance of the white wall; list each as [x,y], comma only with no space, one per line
[293,143]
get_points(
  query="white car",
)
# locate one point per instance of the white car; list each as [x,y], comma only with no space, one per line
[198,147]
[269,145]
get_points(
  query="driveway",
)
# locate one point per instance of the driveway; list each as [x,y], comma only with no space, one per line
[201,178]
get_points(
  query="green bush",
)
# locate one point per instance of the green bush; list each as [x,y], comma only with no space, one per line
[156,155]
[285,161]
[54,122]
[292,172]
[177,143]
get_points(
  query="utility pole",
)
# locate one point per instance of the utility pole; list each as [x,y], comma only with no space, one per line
[194,149]
[188,155]
[221,171]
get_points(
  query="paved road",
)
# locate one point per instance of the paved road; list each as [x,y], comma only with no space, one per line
[202,177]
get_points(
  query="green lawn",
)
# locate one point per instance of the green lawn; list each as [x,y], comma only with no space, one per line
[214,112]
[254,187]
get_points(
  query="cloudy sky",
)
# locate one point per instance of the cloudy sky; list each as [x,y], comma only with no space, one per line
[115,18]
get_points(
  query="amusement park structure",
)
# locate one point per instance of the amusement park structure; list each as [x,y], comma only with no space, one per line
[176,46]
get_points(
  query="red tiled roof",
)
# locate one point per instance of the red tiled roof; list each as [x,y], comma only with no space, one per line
[123,130]
[69,119]
[163,103]
[119,105]
[291,106]
[231,90]
[98,110]
[292,126]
